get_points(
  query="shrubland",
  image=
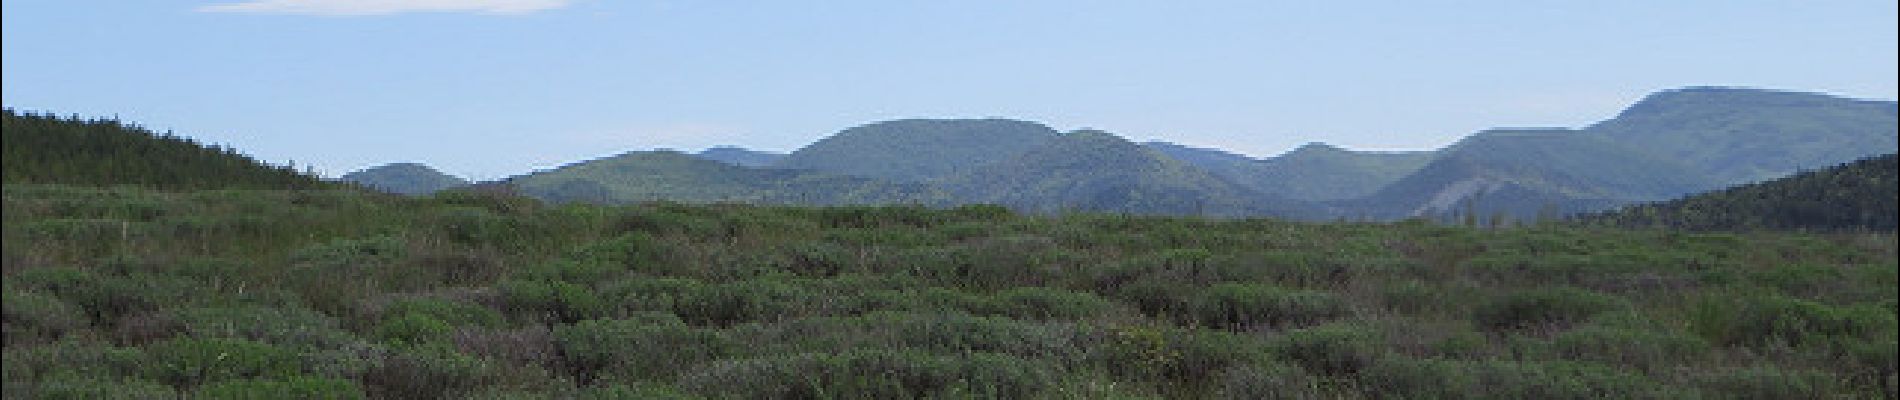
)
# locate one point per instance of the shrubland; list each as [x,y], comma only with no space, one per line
[128,292]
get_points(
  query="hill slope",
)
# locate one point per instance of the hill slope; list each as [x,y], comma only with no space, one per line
[918,150]
[1233,167]
[1098,171]
[1319,171]
[1527,172]
[405,178]
[1860,195]
[1739,135]
[675,176]
[50,149]
[740,156]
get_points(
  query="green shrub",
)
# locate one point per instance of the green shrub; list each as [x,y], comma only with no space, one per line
[412,329]
[634,349]
[281,326]
[871,374]
[1542,309]
[1645,350]
[1049,303]
[645,294]
[1757,320]
[422,373]
[189,362]
[72,358]
[448,311]
[376,250]
[1171,355]
[752,300]
[107,298]
[1399,377]
[1240,305]
[551,301]
[89,388]
[1266,382]
[1330,350]
[1768,383]
[296,387]
[37,318]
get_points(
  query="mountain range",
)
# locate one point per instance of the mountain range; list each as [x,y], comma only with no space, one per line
[405,178]
[1670,144]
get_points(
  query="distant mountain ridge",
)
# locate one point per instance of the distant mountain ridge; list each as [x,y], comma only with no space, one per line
[675,176]
[1740,135]
[740,156]
[1096,171]
[918,150]
[1668,145]
[405,178]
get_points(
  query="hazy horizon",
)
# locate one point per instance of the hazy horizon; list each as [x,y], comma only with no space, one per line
[488,89]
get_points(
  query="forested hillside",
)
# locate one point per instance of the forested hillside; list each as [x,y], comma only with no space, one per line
[1857,196]
[43,148]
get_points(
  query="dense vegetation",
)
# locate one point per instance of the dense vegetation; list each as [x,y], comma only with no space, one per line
[121,292]
[1857,196]
[405,178]
[43,148]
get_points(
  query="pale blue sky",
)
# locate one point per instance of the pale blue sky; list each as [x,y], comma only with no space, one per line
[490,88]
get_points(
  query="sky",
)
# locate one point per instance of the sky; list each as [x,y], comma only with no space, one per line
[486,89]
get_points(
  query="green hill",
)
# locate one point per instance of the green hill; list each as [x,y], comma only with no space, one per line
[918,150]
[1318,171]
[405,178]
[1098,171]
[1739,135]
[50,149]
[1232,167]
[1857,196]
[674,176]
[740,156]
[1524,172]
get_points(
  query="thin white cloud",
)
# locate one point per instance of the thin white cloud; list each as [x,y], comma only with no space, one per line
[384,7]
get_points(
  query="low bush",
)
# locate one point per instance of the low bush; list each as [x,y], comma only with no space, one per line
[296,387]
[599,349]
[188,362]
[871,374]
[1644,350]
[1761,320]
[1240,305]
[1043,303]
[1542,310]
[1330,350]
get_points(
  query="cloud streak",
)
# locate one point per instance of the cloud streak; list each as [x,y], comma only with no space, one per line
[384,7]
